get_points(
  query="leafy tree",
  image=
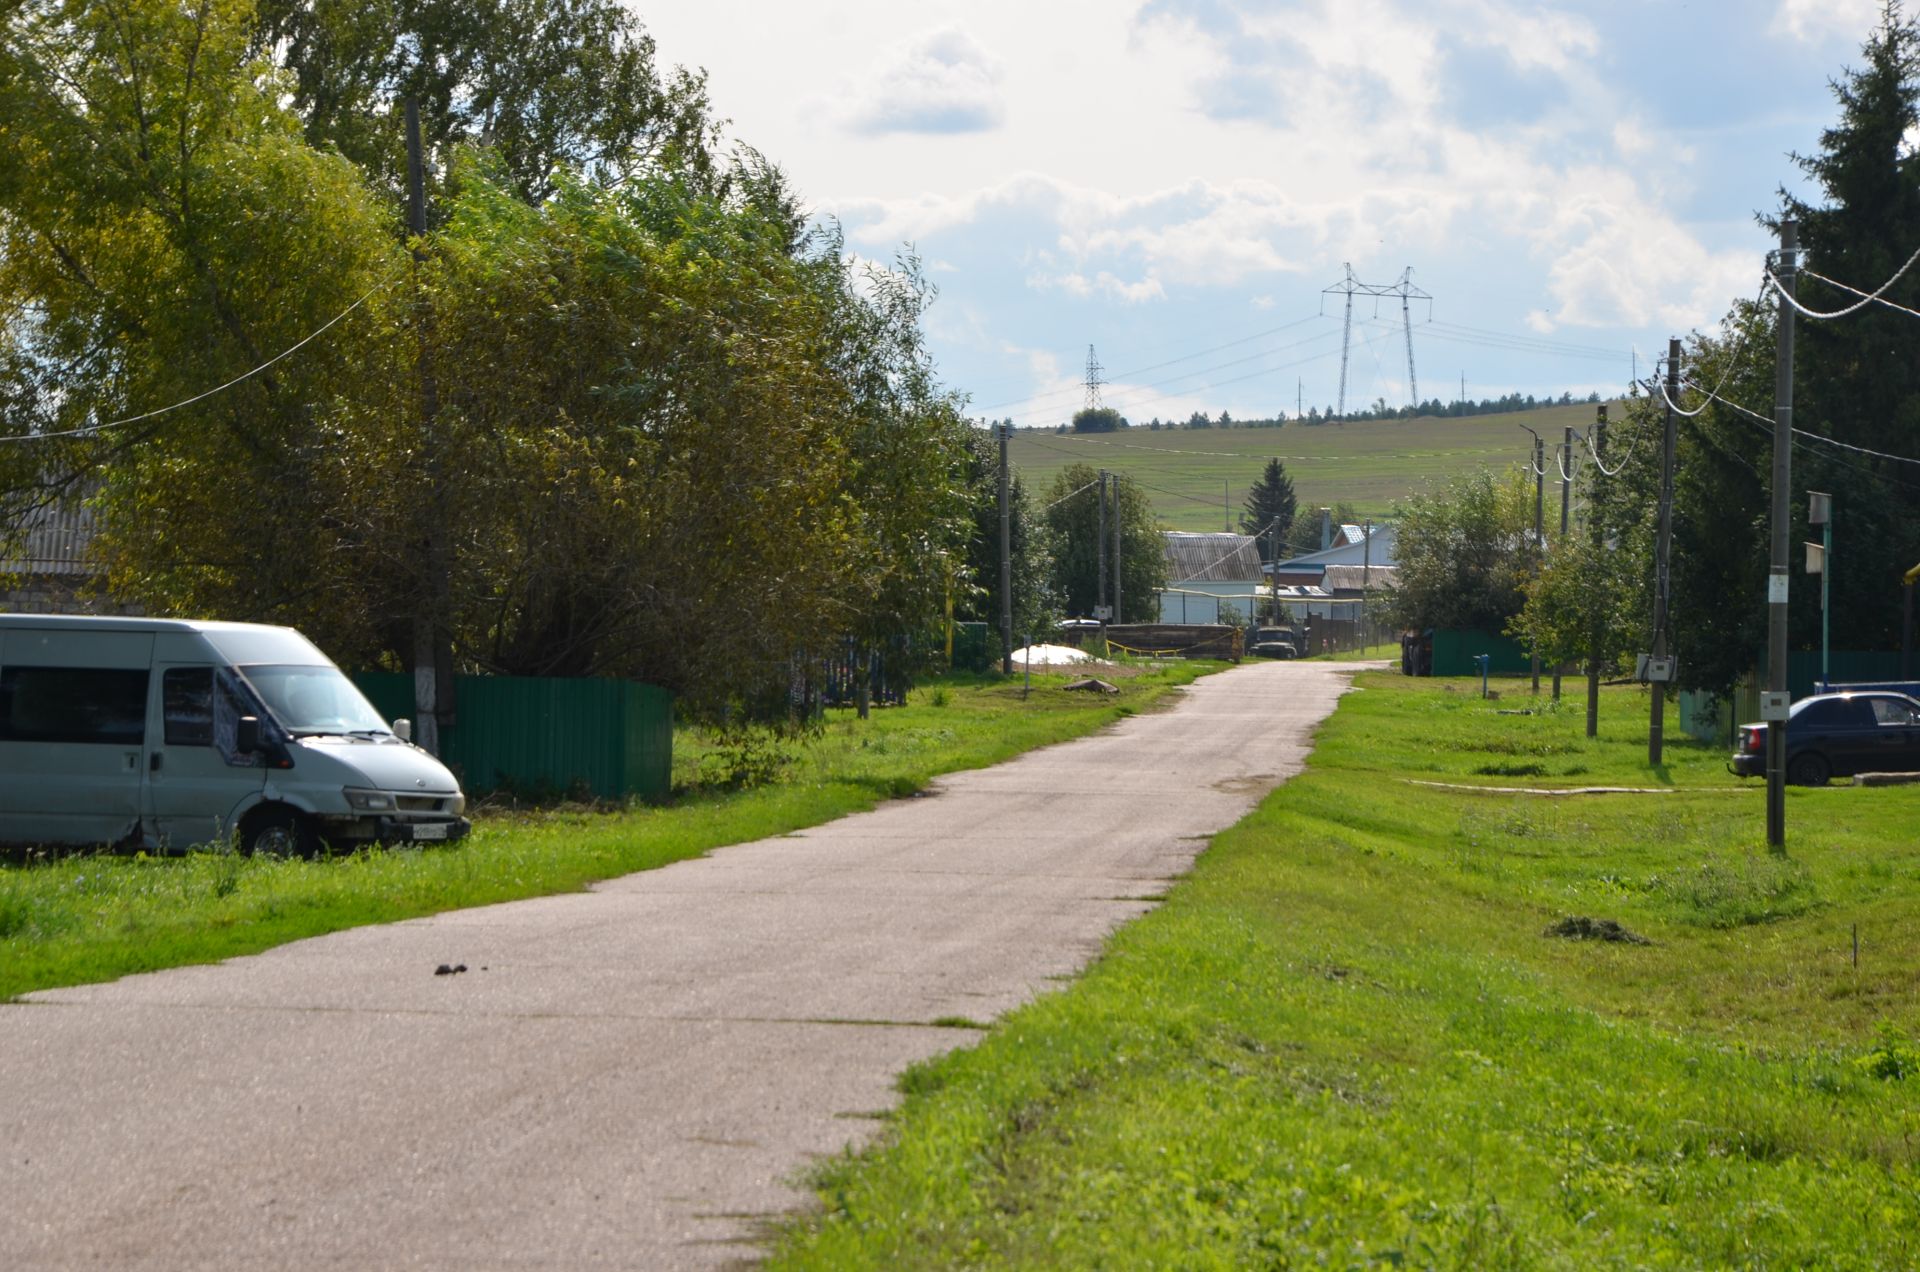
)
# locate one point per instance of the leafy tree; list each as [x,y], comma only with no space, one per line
[544,83]
[1589,602]
[1098,420]
[1072,525]
[1857,379]
[667,424]
[1464,554]
[166,230]
[977,586]
[1270,504]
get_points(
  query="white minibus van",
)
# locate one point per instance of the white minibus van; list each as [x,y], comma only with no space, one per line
[162,733]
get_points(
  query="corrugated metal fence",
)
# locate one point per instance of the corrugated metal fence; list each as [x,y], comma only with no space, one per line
[542,736]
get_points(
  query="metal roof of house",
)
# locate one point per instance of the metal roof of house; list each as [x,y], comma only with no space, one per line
[1354,578]
[1212,558]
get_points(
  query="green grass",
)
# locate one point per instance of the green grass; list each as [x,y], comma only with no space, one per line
[1346,1039]
[1196,478]
[96,917]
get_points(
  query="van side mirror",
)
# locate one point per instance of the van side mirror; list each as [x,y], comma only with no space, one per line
[403,729]
[246,735]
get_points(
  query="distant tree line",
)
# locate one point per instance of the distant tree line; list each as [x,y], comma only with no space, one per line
[1108,420]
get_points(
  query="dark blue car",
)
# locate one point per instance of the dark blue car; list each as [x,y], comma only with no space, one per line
[1837,735]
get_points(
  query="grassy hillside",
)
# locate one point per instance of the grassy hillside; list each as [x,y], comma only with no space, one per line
[1193,475]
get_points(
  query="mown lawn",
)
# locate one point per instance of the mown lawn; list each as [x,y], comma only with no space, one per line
[1347,1039]
[98,916]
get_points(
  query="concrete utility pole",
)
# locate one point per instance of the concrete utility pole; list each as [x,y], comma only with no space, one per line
[1663,562]
[432,636]
[1593,533]
[1774,706]
[1006,558]
[1366,579]
[1117,617]
[1100,553]
[1539,522]
[1566,497]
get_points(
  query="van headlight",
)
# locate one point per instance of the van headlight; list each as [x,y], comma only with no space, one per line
[368,801]
[457,804]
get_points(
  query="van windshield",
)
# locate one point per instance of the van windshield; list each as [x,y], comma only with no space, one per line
[314,700]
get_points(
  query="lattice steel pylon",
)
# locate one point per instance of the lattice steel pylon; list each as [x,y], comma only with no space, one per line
[1093,380]
[1350,287]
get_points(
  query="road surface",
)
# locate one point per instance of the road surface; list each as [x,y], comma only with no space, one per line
[630,1077]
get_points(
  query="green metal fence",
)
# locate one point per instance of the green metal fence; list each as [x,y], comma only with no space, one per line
[973,647]
[1454,651]
[612,737]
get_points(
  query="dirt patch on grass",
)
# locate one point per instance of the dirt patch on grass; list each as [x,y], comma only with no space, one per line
[1581,928]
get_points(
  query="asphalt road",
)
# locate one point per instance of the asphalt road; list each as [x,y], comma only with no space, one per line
[633,1076]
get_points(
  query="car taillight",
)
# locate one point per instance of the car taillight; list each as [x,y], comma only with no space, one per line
[1756,739]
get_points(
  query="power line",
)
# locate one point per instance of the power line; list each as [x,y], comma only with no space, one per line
[1867,298]
[201,397]
[1820,438]
[1184,375]
[1856,291]
[1070,494]
[1185,357]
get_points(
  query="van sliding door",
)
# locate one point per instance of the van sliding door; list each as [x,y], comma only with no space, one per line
[73,727]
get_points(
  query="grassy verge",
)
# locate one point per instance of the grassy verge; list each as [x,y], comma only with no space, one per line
[1349,1040]
[100,916]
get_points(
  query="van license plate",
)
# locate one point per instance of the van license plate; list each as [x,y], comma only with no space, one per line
[430,830]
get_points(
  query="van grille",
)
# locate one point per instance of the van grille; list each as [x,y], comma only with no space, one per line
[420,803]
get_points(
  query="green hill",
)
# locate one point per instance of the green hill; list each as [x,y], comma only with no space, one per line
[1198,478]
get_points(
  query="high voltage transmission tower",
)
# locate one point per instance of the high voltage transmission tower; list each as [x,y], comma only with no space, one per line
[1093,380]
[1408,293]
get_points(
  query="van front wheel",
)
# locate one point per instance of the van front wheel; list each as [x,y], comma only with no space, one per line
[278,831]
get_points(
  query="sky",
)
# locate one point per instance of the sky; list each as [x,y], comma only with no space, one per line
[1177,183]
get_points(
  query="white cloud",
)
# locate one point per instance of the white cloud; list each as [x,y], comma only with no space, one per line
[1101,284]
[943,82]
[1814,20]
[1620,262]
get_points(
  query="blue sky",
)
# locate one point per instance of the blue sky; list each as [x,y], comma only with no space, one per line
[1571,183]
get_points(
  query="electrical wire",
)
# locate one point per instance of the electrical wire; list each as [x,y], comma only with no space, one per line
[1132,397]
[1802,441]
[201,397]
[1856,291]
[1070,494]
[1867,298]
[1820,438]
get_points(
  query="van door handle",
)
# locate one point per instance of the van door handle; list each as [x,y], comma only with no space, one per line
[153,762]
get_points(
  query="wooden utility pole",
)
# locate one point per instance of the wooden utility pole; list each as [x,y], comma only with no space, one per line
[1663,564]
[1117,617]
[432,620]
[1774,705]
[1006,558]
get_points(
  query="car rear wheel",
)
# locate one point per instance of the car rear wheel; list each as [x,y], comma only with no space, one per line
[1808,770]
